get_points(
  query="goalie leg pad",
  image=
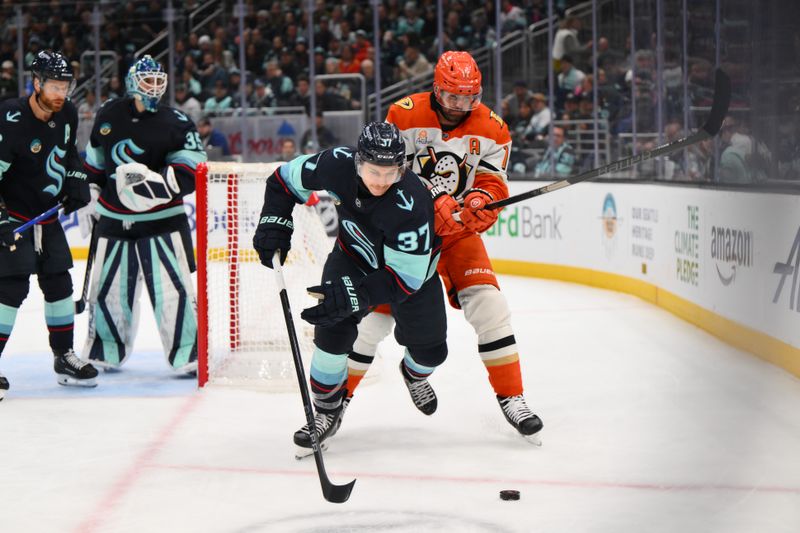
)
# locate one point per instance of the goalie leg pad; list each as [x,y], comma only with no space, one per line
[167,276]
[113,303]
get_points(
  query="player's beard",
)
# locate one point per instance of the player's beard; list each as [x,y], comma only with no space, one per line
[451,117]
[49,105]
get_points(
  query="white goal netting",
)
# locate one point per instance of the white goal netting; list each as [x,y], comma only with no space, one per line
[242,334]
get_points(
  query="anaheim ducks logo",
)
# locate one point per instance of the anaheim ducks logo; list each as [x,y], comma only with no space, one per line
[445,170]
[406,103]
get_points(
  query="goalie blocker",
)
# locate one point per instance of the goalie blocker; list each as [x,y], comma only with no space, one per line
[140,189]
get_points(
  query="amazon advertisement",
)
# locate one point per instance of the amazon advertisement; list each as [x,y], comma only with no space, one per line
[736,254]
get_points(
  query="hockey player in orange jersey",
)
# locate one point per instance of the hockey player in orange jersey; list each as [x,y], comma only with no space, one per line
[461,148]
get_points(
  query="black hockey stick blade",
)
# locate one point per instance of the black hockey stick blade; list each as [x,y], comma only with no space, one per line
[332,493]
[719,108]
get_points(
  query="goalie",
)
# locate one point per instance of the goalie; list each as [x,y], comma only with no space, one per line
[141,160]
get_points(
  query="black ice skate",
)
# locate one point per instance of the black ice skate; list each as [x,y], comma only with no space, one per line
[521,417]
[3,386]
[327,425]
[71,370]
[421,392]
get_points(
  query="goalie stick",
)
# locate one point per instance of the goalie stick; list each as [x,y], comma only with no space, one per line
[332,493]
[719,107]
[80,305]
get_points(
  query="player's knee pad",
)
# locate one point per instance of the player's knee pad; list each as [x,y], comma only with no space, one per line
[487,311]
[371,331]
[431,356]
[165,269]
[113,302]
[56,286]
[338,338]
[14,290]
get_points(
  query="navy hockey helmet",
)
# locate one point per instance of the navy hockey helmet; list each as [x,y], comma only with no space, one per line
[380,143]
[50,65]
[147,82]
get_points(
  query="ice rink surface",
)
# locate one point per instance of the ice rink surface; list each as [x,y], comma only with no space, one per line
[651,425]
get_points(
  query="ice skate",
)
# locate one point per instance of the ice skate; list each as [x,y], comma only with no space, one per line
[521,417]
[421,392]
[3,386]
[71,370]
[327,425]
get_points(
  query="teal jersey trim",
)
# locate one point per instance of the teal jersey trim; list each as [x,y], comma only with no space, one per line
[292,174]
[8,315]
[141,217]
[95,157]
[434,264]
[190,158]
[411,268]
[59,313]
[4,165]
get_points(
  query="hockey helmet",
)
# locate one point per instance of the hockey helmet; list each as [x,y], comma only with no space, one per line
[381,143]
[146,81]
[457,82]
[50,65]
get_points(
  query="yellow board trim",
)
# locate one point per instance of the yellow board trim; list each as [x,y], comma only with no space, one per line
[766,347]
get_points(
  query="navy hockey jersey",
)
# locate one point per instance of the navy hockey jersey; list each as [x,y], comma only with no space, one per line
[389,237]
[123,135]
[35,157]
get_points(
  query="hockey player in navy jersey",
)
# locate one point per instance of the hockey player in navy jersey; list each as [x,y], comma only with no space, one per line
[385,253]
[141,158]
[40,168]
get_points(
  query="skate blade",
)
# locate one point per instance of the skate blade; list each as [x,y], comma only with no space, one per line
[534,439]
[301,453]
[72,382]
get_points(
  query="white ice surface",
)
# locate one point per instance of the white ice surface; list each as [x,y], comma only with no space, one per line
[651,425]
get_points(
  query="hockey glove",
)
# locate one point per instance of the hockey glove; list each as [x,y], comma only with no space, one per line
[140,189]
[273,233]
[338,300]
[88,215]
[6,229]
[474,216]
[75,192]
[444,206]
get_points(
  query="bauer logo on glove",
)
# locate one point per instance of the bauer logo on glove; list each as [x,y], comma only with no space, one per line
[140,189]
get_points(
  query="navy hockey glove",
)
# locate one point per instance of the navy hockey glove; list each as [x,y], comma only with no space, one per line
[6,229]
[273,233]
[338,300]
[75,192]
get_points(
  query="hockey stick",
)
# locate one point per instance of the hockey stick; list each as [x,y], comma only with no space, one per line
[80,305]
[722,97]
[332,493]
[32,222]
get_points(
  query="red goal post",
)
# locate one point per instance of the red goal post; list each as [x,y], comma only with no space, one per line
[242,338]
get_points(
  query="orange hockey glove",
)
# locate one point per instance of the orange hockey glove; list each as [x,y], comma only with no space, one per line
[473,216]
[444,207]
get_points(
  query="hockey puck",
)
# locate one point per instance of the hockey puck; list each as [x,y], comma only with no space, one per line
[509,495]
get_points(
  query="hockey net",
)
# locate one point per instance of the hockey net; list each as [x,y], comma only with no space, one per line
[242,338]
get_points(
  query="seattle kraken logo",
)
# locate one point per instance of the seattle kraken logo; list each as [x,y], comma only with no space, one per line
[55,170]
[123,152]
[364,246]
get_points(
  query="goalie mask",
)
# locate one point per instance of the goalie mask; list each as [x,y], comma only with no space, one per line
[146,81]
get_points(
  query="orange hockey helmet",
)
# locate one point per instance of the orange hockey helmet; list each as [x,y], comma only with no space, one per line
[457,82]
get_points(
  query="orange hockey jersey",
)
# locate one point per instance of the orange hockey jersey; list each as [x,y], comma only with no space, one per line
[475,154]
